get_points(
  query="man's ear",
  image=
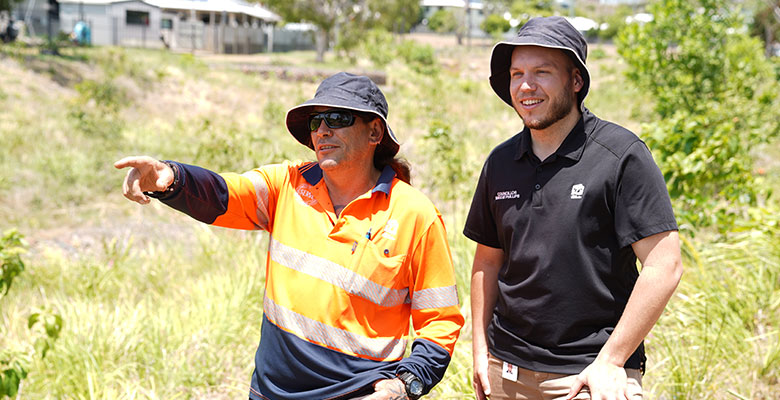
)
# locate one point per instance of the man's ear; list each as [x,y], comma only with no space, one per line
[579,82]
[377,130]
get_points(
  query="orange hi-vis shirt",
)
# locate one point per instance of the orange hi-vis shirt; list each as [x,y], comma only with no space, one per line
[341,290]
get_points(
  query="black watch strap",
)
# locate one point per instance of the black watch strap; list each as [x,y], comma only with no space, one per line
[413,384]
[162,194]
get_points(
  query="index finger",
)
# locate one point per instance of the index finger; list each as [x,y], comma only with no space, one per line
[132,161]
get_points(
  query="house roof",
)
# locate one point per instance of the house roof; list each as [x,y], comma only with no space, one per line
[230,6]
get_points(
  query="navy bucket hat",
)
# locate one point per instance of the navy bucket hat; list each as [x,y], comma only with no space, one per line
[347,91]
[551,32]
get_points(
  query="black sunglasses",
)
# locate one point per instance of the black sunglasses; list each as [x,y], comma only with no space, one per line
[333,119]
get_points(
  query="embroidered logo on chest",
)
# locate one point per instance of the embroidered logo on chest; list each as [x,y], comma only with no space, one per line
[507,194]
[391,229]
[577,191]
[303,193]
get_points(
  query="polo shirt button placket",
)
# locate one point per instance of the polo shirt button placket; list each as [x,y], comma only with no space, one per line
[537,186]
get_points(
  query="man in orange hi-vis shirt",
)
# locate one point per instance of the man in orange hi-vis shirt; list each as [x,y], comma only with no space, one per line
[355,252]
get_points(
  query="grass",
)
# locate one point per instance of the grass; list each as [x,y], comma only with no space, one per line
[157,306]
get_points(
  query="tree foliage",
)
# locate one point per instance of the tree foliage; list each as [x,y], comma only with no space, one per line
[396,16]
[495,24]
[765,22]
[443,21]
[345,21]
[324,14]
[522,10]
[614,22]
[716,98]
[7,5]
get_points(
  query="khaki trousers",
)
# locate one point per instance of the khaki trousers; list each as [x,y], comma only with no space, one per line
[531,385]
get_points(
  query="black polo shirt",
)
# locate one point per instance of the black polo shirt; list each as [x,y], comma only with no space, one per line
[566,225]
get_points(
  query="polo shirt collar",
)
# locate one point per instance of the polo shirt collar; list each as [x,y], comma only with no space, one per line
[571,148]
[313,176]
[385,181]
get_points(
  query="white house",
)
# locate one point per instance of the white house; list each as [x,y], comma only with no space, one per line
[221,26]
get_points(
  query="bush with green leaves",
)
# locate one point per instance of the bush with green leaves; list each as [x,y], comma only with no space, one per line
[45,325]
[614,22]
[379,47]
[495,25]
[716,98]
[420,57]
[443,21]
[450,176]
[12,246]
[95,111]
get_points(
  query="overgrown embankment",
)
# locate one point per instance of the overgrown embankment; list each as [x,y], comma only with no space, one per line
[155,305]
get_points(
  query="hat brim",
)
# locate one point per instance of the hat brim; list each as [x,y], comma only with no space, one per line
[298,121]
[501,59]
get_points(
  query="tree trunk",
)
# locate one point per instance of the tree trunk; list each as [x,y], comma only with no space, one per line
[321,41]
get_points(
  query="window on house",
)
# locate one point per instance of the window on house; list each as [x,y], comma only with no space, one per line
[137,17]
[166,23]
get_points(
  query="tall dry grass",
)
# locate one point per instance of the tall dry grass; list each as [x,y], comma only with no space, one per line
[157,306]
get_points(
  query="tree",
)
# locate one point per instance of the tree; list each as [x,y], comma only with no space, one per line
[7,5]
[345,21]
[396,16]
[326,15]
[716,98]
[766,23]
[443,21]
[495,25]
[523,10]
[614,22]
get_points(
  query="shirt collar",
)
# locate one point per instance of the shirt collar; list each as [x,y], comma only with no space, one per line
[313,175]
[385,181]
[571,148]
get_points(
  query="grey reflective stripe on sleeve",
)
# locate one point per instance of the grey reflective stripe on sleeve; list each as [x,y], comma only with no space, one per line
[317,332]
[261,191]
[435,298]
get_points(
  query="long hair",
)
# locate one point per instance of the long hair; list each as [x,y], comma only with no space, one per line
[383,156]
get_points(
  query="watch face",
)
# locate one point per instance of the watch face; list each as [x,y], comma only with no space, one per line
[415,387]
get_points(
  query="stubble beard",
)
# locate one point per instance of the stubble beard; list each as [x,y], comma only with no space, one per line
[560,107]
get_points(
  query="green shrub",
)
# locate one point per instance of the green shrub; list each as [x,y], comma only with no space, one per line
[45,326]
[597,54]
[443,21]
[421,57]
[495,25]
[716,98]
[449,174]
[12,246]
[96,109]
[379,47]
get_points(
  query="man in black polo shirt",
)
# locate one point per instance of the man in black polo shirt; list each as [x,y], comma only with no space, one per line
[561,213]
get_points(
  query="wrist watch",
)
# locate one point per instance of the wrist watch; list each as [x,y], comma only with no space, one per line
[169,190]
[414,386]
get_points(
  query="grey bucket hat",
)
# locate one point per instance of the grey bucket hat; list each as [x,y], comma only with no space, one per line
[551,32]
[347,91]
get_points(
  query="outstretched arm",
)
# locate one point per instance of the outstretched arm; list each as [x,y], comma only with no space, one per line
[661,272]
[146,174]
[228,199]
